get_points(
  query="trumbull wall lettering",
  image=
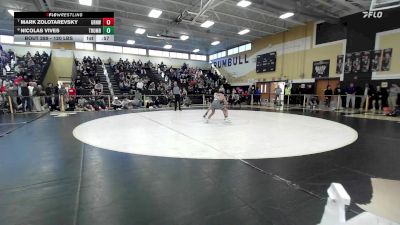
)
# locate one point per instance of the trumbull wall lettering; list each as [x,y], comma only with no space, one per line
[232,61]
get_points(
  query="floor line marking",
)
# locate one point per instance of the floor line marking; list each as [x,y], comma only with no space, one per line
[78,194]
[3,124]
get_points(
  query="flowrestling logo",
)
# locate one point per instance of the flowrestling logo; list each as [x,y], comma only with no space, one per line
[372,14]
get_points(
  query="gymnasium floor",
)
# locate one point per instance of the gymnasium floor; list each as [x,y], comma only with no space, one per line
[47,176]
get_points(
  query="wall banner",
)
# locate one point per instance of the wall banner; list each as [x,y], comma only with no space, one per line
[386,59]
[376,60]
[349,63]
[365,61]
[321,68]
[356,62]
[339,64]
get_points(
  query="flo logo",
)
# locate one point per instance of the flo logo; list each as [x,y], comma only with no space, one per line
[372,14]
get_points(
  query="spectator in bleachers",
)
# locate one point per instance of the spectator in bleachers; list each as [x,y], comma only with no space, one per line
[98,89]
[116,104]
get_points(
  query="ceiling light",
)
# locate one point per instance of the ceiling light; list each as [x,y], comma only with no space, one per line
[184,37]
[85,2]
[286,15]
[243,3]
[207,24]
[11,12]
[155,13]
[130,42]
[215,43]
[140,31]
[196,50]
[245,31]
[167,46]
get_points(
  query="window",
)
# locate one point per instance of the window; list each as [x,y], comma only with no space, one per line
[84,46]
[142,51]
[172,54]
[109,48]
[245,47]
[242,48]
[43,44]
[198,57]
[155,53]
[213,56]
[178,55]
[134,51]
[159,53]
[233,51]
[7,39]
[248,47]
[221,54]
[185,56]
[165,54]
[128,50]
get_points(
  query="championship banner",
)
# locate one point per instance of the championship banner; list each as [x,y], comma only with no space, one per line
[365,61]
[376,60]
[339,64]
[321,68]
[349,63]
[386,59]
[356,62]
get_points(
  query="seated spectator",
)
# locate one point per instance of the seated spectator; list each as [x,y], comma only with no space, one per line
[71,104]
[116,104]
[53,102]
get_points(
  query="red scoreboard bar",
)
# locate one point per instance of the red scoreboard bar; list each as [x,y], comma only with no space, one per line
[64,26]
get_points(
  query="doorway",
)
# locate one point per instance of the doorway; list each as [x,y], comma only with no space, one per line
[321,85]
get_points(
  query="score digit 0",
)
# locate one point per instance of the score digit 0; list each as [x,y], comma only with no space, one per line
[108,30]
[108,21]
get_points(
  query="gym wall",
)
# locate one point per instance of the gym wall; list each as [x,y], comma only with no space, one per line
[296,52]
[299,47]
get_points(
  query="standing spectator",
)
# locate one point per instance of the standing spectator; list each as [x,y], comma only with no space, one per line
[328,96]
[177,93]
[365,96]
[278,92]
[12,91]
[338,93]
[257,96]
[288,92]
[63,95]
[307,94]
[37,106]
[350,96]
[377,99]
[394,92]
[26,99]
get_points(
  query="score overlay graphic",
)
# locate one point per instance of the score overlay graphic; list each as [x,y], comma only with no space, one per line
[64,26]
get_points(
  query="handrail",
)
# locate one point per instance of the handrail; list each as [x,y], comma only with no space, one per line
[143,98]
